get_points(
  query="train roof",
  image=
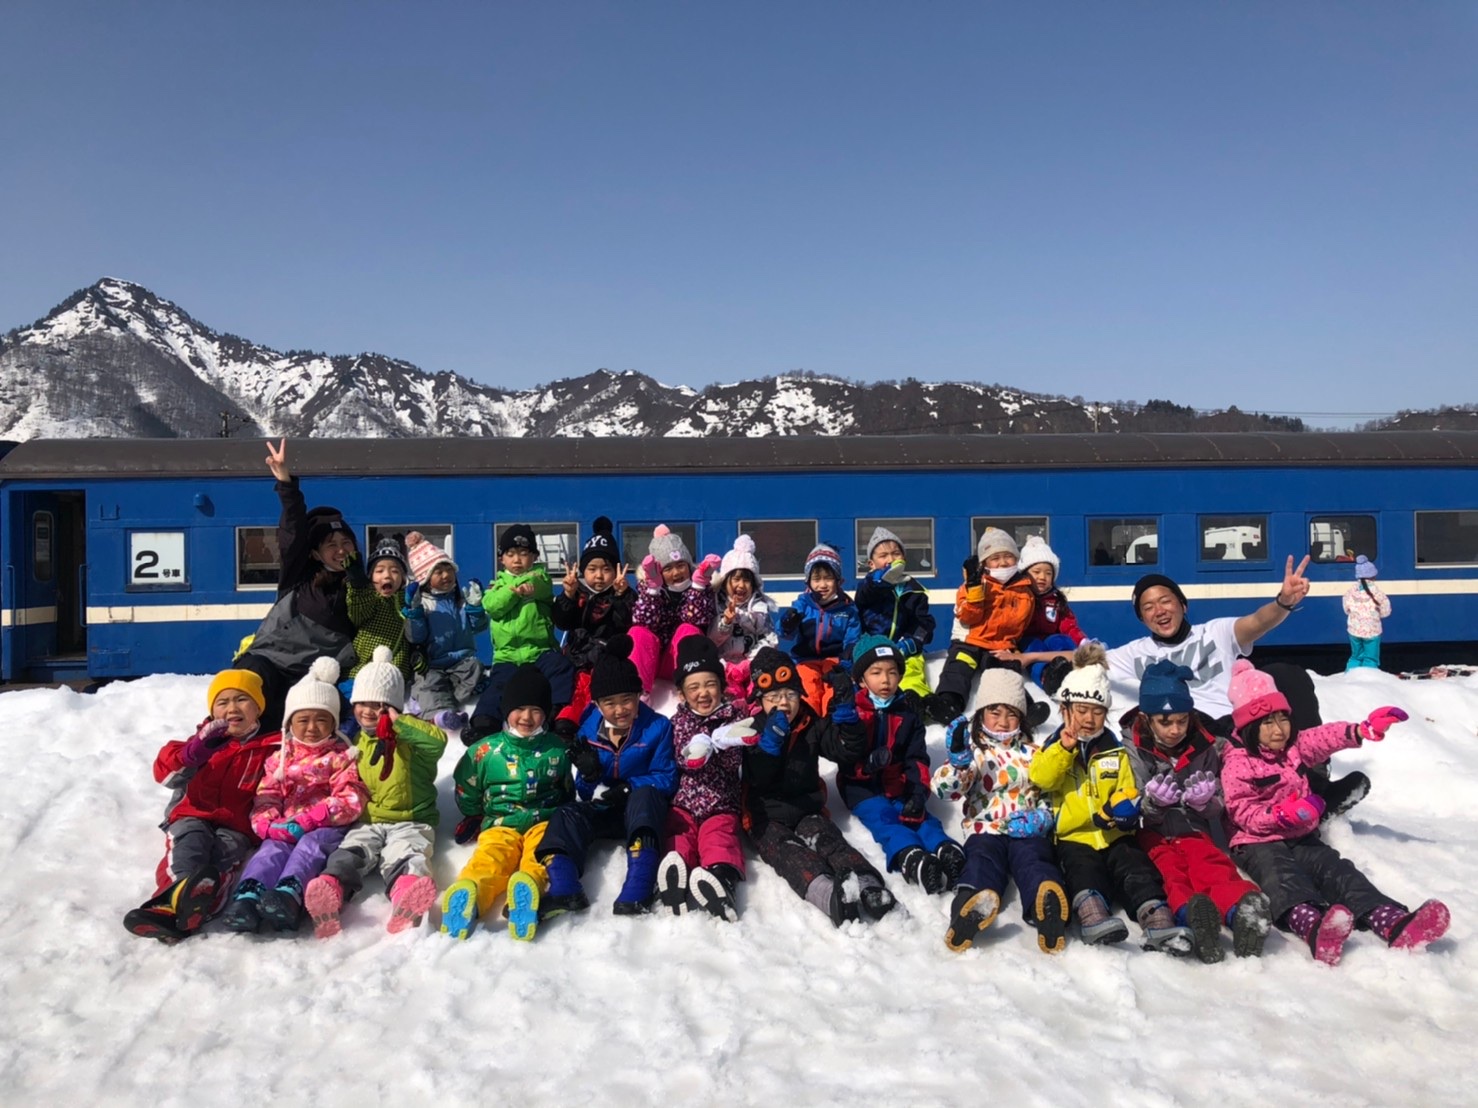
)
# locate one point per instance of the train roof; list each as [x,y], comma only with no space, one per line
[133,458]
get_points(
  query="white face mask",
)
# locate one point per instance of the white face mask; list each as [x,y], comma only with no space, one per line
[1001,736]
[681,586]
[512,730]
[1002,573]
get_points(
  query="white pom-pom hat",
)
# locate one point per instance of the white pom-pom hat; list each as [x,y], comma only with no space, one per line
[379,681]
[741,557]
[317,689]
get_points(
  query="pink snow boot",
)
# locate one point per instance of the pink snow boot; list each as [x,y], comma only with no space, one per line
[1325,932]
[410,898]
[1405,930]
[323,898]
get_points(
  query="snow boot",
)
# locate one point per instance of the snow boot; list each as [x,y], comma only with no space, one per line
[565,893]
[180,910]
[713,890]
[1051,918]
[972,911]
[1342,795]
[1203,918]
[522,907]
[411,898]
[1098,927]
[322,899]
[1160,931]
[282,907]
[1325,931]
[244,913]
[920,868]
[672,883]
[874,900]
[1405,930]
[943,707]
[1251,920]
[640,886]
[951,859]
[459,908]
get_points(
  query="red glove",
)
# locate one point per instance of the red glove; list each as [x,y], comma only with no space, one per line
[1299,813]
[1379,722]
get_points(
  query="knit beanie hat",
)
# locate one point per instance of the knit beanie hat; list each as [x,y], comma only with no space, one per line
[668,547]
[317,689]
[528,688]
[697,654]
[1149,581]
[1037,551]
[243,679]
[772,669]
[1253,695]
[1164,689]
[996,541]
[379,681]
[741,557]
[518,537]
[425,556]
[871,649]
[823,555]
[1088,683]
[1364,569]
[881,535]
[614,672]
[387,549]
[999,685]
[324,521]
[602,544]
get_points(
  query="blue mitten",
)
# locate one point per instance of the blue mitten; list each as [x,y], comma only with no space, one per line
[957,742]
[1030,823]
[777,730]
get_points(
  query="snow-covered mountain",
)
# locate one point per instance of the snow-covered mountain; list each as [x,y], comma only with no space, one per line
[117,360]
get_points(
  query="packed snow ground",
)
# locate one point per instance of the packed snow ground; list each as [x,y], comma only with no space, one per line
[779,1008]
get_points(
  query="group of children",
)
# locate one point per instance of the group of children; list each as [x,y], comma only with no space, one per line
[565,751]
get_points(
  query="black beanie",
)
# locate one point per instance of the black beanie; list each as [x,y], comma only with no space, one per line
[615,673]
[518,537]
[324,521]
[1149,581]
[527,688]
[387,549]
[602,544]
[697,654]
[773,669]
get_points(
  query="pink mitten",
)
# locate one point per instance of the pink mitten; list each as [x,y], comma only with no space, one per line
[1379,722]
[651,574]
[1299,813]
[311,819]
[704,573]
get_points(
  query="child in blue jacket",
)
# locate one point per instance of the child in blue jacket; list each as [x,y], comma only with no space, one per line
[825,625]
[892,604]
[443,620]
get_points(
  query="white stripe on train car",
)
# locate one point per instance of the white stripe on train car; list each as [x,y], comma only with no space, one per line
[176,613]
[27,617]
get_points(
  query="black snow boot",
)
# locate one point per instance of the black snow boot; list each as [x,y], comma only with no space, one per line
[672,883]
[244,913]
[943,707]
[282,907]
[1252,918]
[921,868]
[1203,918]
[971,913]
[713,890]
[875,901]
[1341,794]
[951,859]
[1053,674]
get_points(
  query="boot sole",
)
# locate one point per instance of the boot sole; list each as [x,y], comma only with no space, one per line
[1426,925]
[1204,919]
[414,903]
[1329,937]
[712,896]
[149,924]
[322,901]
[672,883]
[196,899]
[459,909]
[973,917]
[1052,918]
[1250,928]
[280,916]
[523,907]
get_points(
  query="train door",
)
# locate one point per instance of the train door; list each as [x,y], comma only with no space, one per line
[45,587]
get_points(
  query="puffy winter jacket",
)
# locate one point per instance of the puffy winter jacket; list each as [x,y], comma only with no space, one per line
[995,784]
[661,611]
[713,787]
[522,626]
[446,626]
[298,776]
[513,782]
[408,792]
[788,787]
[1201,752]
[753,627]
[1079,783]
[590,620]
[896,730]
[378,622]
[644,757]
[1052,616]
[1253,781]
[995,615]
[224,790]
[896,612]
[1364,611]
[822,632]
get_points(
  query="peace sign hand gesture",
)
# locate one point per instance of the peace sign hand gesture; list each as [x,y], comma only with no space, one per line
[1295,585]
[570,583]
[277,461]
[621,583]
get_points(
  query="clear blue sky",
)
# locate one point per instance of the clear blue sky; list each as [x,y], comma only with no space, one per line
[1267,204]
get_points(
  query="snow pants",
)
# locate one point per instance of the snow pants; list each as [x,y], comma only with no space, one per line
[191,844]
[276,861]
[1122,871]
[500,853]
[706,841]
[989,859]
[1051,643]
[654,658]
[450,687]
[880,815]
[1194,864]
[556,669]
[1308,871]
[392,848]
[1364,654]
[814,847]
[816,691]
[914,679]
[963,663]
[573,827]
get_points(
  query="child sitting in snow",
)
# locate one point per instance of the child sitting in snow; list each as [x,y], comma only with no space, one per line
[624,780]
[444,621]
[508,787]
[786,798]
[825,625]
[1183,821]
[592,608]
[372,591]
[520,607]
[1007,822]
[674,603]
[398,755]
[892,604]
[704,860]
[1316,893]
[207,828]
[746,621]
[1048,642]
[1089,778]
[310,793]
[887,788]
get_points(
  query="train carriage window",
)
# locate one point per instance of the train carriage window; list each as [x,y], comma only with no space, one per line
[43,534]
[781,545]
[1446,538]
[1339,538]
[558,543]
[439,533]
[258,562]
[1123,542]
[1019,528]
[637,537]
[1234,538]
[917,536]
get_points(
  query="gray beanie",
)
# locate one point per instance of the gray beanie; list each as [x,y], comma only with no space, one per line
[668,548]
[996,541]
[881,535]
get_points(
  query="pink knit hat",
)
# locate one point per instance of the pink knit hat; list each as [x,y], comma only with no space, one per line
[424,556]
[1253,695]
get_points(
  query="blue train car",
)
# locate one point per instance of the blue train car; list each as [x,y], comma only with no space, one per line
[125,558]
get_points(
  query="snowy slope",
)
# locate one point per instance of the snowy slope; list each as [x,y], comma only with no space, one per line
[776,1009]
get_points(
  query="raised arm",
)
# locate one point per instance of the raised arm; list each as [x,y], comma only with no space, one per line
[1291,592]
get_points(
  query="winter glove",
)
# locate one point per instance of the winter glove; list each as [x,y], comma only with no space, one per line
[876,576]
[957,742]
[468,829]
[205,742]
[311,819]
[354,572]
[790,623]
[1379,722]
[650,576]
[384,751]
[1120,812]
[743,733]
[704,573]
[776,731]
[877,760]
[1200,790]
[696,753]
[473,592]
[844,709]
[286,831]
[913,809]
[411,609]
[587,762]
[908,647]
[613,795]
[841,685]
[1298,813]
[1163,792]
[1030,823]
[897,573]
[971,566]
[411,588]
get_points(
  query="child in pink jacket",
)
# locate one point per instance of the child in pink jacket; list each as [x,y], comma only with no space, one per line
[1316,893]
[674,603]
[309,795]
